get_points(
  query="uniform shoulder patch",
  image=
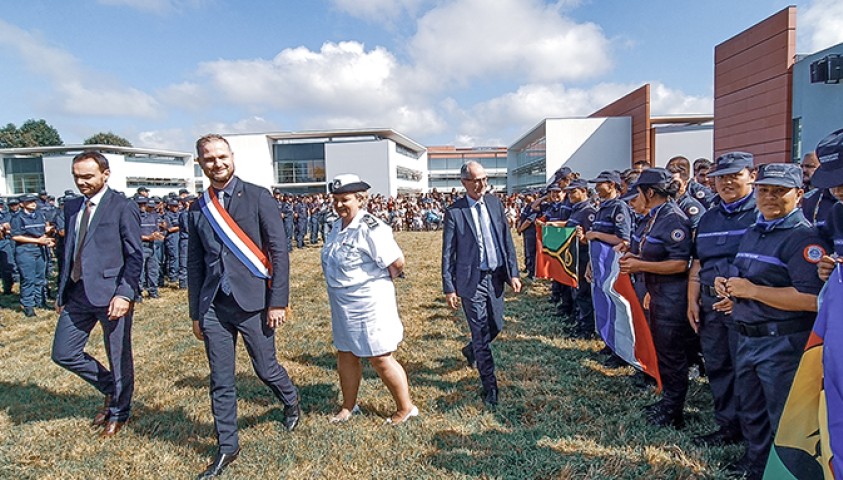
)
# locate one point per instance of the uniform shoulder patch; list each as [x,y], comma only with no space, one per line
[677,235]
[693,210]
[370,221]
[620,217]
[591,217]
[813,253]
[700,194]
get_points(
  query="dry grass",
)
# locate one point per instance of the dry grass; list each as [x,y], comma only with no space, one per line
[562,414]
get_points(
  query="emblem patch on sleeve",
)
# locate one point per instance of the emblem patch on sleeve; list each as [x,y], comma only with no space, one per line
[677,235]
[700,194]
[693,210]
[813,253]
[619,217]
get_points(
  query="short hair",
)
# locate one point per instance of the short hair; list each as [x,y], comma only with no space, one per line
[465,166]
[94,155]
[362,196]
[680,165]
[701,163]
[205,139]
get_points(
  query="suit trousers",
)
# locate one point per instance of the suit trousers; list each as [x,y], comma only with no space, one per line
[719,339]
[74,326]
[480,311]
[220,326]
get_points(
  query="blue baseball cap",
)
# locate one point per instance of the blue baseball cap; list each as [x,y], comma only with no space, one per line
[732,162]
[830,153]
[554,188]
[577,183]
[607,176]
[779,174]
[27,197]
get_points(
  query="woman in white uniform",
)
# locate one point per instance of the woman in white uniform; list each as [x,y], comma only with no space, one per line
[360,258]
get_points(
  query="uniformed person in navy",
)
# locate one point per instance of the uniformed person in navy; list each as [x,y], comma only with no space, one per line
[583,213]
[716,244]
[30,233]
[773,286]
[829,176]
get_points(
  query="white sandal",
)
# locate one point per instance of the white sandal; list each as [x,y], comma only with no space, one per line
[413,413]
[354,411]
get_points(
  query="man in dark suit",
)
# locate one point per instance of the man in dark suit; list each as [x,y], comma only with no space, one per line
[227,297]
[102,269]
[478,259]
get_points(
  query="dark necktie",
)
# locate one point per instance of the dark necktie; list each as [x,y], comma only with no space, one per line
[225,286]
[487,243]
[76,271]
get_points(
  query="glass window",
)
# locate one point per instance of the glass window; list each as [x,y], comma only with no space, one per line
[299,162]
[24,175]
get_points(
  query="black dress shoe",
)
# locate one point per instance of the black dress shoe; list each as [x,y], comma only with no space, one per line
[468,353]
[667,417]
[216,467]
[292,414]
[721,436]
[28,311]
[490,398]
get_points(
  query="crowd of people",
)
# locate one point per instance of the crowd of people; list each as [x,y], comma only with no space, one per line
[727,260]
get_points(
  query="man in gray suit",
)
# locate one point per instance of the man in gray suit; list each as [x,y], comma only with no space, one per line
[230,296]
[478,259]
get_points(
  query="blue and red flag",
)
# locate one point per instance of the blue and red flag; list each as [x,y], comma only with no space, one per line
[809,440]
[618,313]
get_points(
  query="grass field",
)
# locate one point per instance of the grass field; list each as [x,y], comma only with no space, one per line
[562,414]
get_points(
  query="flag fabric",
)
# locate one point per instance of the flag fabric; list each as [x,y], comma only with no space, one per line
[618,313]
[557,254]
[807,437]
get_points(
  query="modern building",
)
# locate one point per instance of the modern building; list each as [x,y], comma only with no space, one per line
[817,98]
[303,162]
[444,163]
[30,170]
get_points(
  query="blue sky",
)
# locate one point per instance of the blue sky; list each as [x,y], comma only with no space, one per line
[465,72]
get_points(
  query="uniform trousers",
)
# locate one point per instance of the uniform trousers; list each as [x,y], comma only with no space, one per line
[32,265]
[530,251]
[289,228]
[171,247]
[719,339]
[672,337]
[7,264]
[481,310]
[150,272]
[182,262]
[220,327]
[73,328]
[764,371]
[301,230]
[313,228]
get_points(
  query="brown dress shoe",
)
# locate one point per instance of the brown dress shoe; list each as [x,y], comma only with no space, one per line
[111,428]
[102,414]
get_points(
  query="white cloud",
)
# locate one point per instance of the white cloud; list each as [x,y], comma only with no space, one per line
[159,7]
[77,91]
[379,10]
[524,39]
[668,101]
[821,24]
[183,139]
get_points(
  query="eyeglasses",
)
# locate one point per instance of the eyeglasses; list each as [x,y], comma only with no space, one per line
[475,180]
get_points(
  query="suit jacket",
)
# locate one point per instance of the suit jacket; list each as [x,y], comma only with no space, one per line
[111,256]
[461,253]
[256,212]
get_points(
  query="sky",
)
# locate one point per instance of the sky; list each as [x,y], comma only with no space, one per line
[161,73]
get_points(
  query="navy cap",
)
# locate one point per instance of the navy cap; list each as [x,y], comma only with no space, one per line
[577,183]
[347,183]
[141,200]
[183,190]
[607,176]
[13,201]
[830,154]
[732,162]
[68,193]
[27,197]
[780,174]
[652,176]
[172,202]
[42,192]
[561,172]
[554,188]
[143,189]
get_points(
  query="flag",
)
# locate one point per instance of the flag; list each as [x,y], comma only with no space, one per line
[808,437]
[618,313]
[557,254]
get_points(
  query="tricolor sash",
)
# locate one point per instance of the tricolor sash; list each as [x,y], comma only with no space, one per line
[233,236]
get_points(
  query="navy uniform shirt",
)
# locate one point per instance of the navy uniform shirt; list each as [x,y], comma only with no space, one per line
[172,219]
[833,231]
[782,253]
[286,209]
[28,225]
[182,222]
[615,218]
[816,205]
[719,235]
[149,223]
[582,215]
[555,211]
[301,209]
[702,194]
[666,236]
[691,208]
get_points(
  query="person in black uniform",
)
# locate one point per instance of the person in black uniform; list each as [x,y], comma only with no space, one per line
[773,286]
[829,176]
[697,191]
[300,216]
[183,236]
[527,229]
[551,208]
[692,208]
[583,213]
[716,244]
[30,233]
[288,216]
[149,221]
[171,239]
[7,252]
[14,210]
[663,258]
[613,223]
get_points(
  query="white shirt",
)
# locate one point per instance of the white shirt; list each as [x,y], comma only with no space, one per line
[359,253]
[94,201]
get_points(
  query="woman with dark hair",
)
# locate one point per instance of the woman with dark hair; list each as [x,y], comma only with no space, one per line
[664,252]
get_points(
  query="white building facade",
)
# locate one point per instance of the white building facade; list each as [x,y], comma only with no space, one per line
[303,162]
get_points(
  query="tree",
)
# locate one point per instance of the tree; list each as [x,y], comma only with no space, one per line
[107,138]
[33,133]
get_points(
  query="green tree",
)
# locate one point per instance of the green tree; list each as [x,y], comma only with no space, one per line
[33,133]
[107,138]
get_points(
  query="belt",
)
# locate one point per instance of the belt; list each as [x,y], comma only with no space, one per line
[709,290]
[773,329]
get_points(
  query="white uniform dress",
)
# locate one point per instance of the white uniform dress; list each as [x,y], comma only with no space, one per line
[364,313]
